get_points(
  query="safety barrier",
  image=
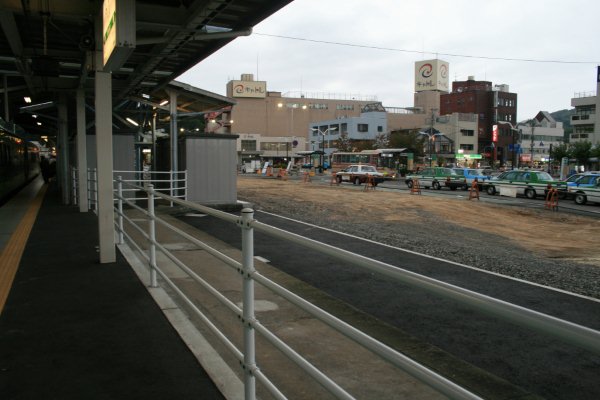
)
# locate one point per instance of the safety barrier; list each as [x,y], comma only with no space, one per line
[306,177]
[551,202]
[173,183]
[282,174]
[416,187]
[369,183]
[564,330]
[334,180]
[474,190]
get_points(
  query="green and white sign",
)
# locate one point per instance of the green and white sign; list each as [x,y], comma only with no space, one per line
[469,156]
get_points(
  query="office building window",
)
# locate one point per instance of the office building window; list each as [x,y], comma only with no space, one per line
[248,145]
[466,146]
[467,132]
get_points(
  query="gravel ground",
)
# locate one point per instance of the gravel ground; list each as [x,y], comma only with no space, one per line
[448,241]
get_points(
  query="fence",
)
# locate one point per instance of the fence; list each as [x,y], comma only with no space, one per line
[569,332]
[171,182]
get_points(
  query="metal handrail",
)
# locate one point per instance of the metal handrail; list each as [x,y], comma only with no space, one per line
[177,184]
[564,330]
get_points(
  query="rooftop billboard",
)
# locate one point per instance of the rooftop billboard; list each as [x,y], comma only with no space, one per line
[432,75]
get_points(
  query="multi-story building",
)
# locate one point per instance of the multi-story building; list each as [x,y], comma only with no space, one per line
[491,104]
[538,136]
[461,132]
[366,127]
[584,121]
[276,126]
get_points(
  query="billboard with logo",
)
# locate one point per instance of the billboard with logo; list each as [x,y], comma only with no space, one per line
[432,75]
[257,89]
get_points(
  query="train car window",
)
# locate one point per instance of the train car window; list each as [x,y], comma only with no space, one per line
[3,154]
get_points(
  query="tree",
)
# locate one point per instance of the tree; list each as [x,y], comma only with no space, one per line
[409,140]
[595,152]
[382,141]
[581,152]
[344,143]
[560,151]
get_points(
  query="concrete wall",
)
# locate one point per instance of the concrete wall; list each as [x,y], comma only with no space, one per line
[211,162]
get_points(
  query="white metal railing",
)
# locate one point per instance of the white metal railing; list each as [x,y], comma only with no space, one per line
[567,331]
[173,183]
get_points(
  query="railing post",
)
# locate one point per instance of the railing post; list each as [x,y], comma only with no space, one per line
[74,185]
[120,205]
[185,185]
[152,234]
[89,189]
[248,304]
[171,184]
[95,175]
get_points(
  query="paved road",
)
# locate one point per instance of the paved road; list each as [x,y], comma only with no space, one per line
[537,363]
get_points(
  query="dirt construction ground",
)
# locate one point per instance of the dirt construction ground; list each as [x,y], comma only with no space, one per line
[546,233]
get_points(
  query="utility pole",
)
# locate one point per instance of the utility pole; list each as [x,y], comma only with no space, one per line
[431,137]
[531,146]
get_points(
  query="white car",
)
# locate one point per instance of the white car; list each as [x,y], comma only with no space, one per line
[357,174]
[584,194]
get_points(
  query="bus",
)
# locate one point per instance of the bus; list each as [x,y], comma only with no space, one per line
[387,161]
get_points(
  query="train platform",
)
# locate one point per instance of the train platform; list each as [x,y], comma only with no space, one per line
[72,328]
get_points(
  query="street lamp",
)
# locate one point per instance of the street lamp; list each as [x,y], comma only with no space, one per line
[331,128]
[291,106]
[430,138]
[515,161]
[532,125]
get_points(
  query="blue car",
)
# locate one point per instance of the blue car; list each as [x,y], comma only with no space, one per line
[470,174]
[583,180]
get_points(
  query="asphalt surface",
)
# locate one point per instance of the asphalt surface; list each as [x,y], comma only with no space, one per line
[76,329]
[538,364]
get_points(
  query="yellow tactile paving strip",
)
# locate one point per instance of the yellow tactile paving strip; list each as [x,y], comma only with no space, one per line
[11,255]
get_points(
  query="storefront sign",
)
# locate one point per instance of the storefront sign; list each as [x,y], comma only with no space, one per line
[469,156]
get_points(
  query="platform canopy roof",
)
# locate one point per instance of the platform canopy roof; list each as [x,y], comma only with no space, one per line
[46,48]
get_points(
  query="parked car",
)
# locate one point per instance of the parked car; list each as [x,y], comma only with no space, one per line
[471,174]
[436,177]
[582,180]
[588,190]
[358,174]
[526,182]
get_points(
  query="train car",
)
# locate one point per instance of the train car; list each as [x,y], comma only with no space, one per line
[19,163]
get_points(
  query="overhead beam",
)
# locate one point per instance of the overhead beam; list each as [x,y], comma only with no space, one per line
[9,26]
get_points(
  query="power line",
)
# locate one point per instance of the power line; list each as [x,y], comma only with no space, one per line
[532,60]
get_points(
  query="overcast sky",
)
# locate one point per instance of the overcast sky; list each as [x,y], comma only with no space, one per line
[386,37]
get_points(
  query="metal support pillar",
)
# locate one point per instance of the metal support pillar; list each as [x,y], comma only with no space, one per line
[81,152]
[104,157]
[62,155]
[248,304]
[174,135]
[6,113]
